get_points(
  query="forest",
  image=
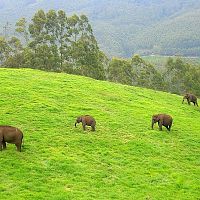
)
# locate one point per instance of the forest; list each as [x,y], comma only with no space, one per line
[123,27]
[54,41]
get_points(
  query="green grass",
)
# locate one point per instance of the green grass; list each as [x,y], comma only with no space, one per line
[123,159]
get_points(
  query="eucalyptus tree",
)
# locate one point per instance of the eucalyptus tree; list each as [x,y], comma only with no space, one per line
[121,71]
[135,72]
[146,75]
[22,29]
[65,43]
[4,50]
[182,77]
[11,52]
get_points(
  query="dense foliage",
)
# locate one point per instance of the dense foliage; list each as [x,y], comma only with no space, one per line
[136,72]
[53,41]
[181,77]
[177,76]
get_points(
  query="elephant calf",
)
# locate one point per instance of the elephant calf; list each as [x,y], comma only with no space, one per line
[163,120]
[190,98]
[12,135]
[86,120]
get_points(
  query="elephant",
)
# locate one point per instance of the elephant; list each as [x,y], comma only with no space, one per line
[190,98]
[163,120]
[12,135]
[86,120]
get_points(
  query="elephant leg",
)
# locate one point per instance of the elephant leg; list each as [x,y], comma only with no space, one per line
[197,104]
[169,127]
[1,142]
[84,125]
[93,128]
[4,145]
[160,126]
[18,147]
[0,146]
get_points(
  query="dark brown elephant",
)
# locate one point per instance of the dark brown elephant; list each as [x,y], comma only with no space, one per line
[190,98]
[86,120]
[163,120]
[12,135]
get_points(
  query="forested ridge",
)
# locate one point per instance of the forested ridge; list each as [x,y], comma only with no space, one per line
[125,27]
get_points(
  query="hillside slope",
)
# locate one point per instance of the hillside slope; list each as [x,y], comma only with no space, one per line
[125,27]
[123,159]
[167,37]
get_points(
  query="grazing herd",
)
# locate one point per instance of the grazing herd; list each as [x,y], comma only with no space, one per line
[13,135]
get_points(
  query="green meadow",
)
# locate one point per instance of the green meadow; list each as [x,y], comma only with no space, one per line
[122,159]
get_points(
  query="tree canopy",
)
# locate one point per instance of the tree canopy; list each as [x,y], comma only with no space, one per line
[53,41]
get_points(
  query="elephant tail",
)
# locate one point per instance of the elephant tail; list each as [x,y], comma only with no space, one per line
[23,143]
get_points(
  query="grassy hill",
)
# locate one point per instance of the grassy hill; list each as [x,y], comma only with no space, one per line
[123,159]
[125,27]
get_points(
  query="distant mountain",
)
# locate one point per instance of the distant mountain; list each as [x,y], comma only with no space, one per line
[125,27]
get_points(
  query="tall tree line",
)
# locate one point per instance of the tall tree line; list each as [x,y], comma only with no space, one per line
[53,41]
[177,76]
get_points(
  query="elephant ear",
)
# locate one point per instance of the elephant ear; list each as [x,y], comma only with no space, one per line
[157,117]
[154,117]
[78,119]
